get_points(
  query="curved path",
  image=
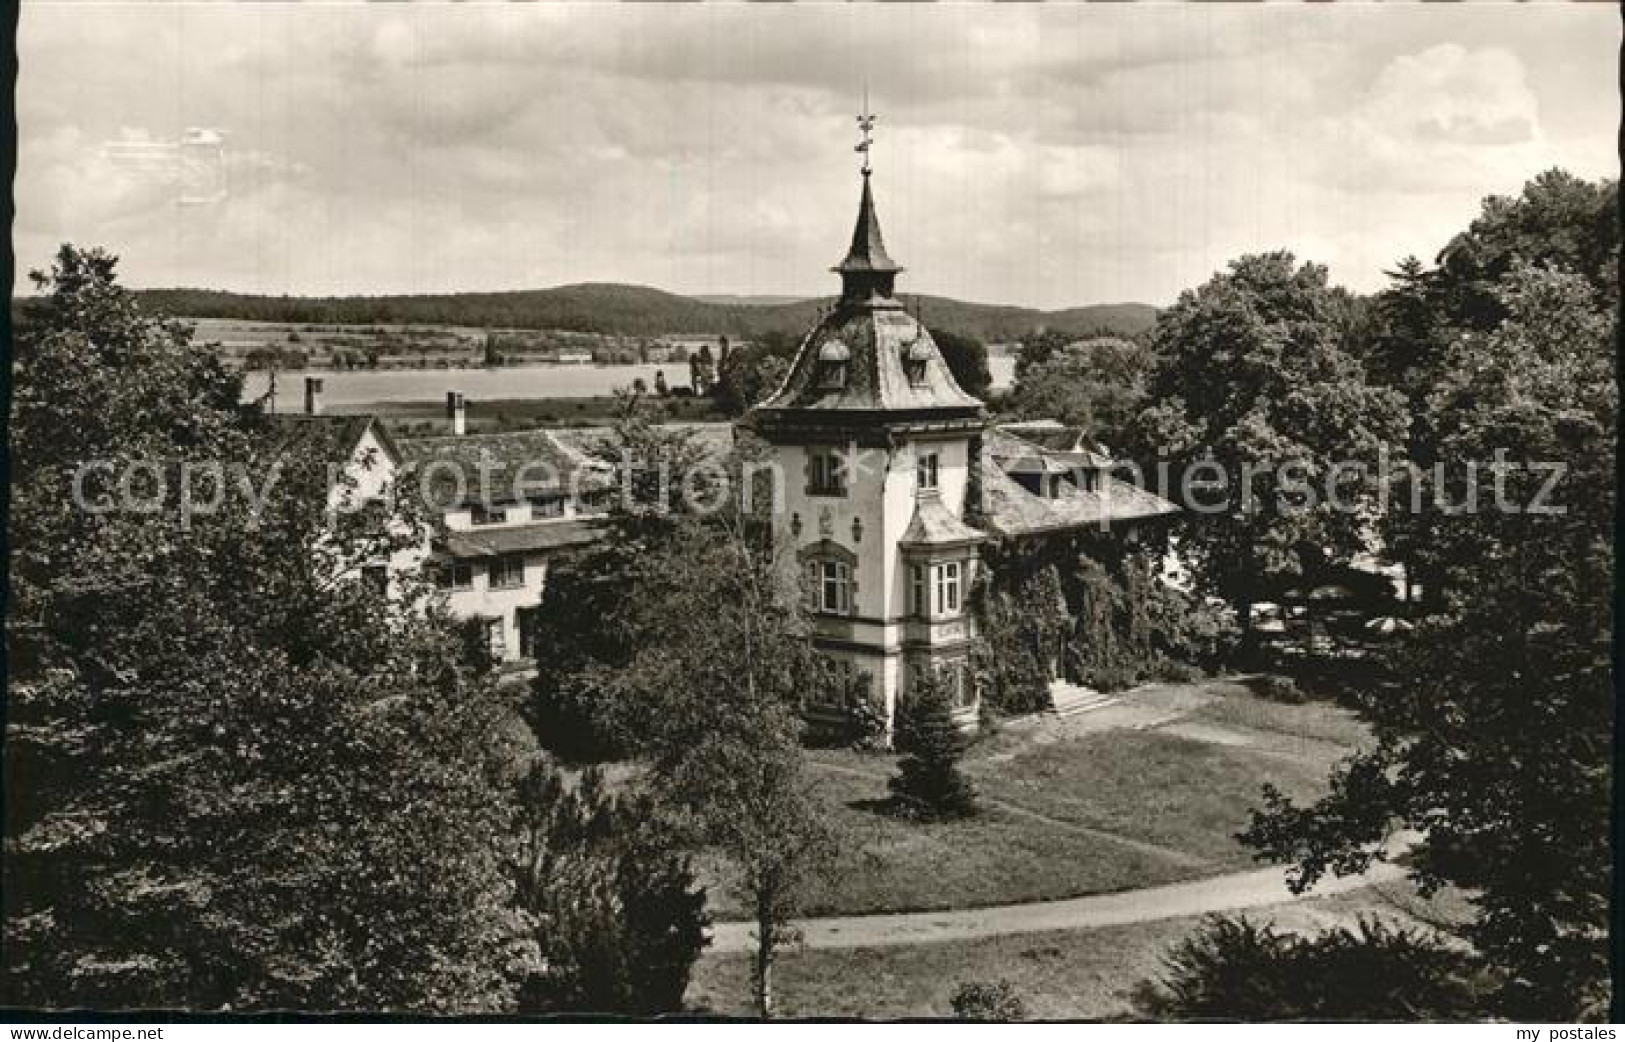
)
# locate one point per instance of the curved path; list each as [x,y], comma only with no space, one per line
[1228,893]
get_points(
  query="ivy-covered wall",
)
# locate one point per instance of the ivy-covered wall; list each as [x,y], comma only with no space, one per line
[1090,605]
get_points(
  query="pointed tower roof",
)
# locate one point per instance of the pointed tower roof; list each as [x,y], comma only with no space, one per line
[868,251]
[868,362]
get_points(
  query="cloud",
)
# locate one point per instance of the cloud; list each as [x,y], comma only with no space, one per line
[1442,119]
[1043,154]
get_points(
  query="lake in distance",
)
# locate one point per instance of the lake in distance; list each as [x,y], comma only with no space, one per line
[365,386]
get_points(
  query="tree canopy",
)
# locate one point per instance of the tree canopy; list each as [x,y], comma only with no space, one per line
[1494,744]
[238,775]
[1098,383]
[1271,433]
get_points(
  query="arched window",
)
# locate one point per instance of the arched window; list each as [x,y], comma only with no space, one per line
[832,587]
[833,360]
[915,357]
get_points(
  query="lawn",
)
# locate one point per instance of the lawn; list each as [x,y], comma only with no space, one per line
[1085,974]
[1190,796]
[1090,813]
[995,858]
[1315,720]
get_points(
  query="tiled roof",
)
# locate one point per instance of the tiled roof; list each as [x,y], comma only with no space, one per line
[876,338]
[585,444]
[1009,509]
[544,535]
[1070,443]
[934,524]
[874,335]
[520,464]
[331,437]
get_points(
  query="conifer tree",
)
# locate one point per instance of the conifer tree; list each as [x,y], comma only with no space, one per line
[929,784]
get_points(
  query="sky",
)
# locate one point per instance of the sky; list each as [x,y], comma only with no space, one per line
[1041,155]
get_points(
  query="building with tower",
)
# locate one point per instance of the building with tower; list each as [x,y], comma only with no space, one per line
[898,492]
[876,439]
[894,482]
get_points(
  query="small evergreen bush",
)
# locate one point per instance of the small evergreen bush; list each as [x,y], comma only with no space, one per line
[929,785]
[619,916]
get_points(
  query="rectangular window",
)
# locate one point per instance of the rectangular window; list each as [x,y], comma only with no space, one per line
[484,514]
[834,595]
[948,588]
[507,571]
[544,508]
[925,471]
[529,620]
[454,575]
[838,693]
[828,474]
[499,637]
[919,598]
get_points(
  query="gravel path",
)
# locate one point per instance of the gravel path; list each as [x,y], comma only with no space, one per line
[1228,893]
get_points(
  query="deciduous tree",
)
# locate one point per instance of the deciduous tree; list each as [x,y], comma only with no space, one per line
[237,776]
[1496,750]
[1268,426]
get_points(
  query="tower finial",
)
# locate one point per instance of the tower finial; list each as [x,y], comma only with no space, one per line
[866,124]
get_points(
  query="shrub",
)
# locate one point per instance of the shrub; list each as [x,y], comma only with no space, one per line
[1232,969]
[979,1000]
[1277,688]
[1172,672]
[619,919]
[863,725]
[575,719]
[929,785]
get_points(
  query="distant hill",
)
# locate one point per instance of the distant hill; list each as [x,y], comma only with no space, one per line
[758,300]
[624,310]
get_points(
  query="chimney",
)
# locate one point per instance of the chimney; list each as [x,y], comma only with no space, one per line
[457,413]
[313,396]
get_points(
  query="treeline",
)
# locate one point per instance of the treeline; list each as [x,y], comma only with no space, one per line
[626,311]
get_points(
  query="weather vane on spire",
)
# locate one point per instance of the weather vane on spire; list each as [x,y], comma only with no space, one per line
[866,123]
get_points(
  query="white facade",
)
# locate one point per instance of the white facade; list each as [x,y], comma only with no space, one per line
[502,582]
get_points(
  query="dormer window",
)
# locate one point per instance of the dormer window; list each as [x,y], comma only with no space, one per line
[914,360]
[833,360]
